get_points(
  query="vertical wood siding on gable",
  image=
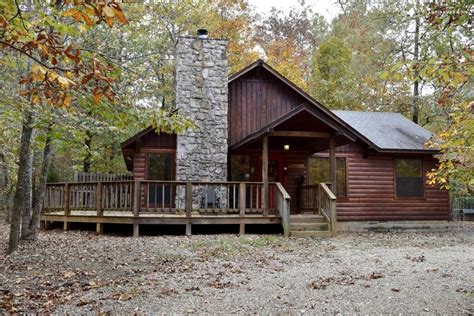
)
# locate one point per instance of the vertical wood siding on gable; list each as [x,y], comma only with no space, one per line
[254,102]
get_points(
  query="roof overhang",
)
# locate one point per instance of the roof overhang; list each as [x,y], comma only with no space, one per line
[332,119]
[332,127]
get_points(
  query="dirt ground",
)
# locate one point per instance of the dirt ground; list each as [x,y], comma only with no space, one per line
[78,272]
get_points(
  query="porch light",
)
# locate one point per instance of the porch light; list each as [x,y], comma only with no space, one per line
[286,147]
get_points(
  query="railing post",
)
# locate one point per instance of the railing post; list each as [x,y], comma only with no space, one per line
[265,174]
[333,217]
[242,199]
[286,217]
[332,164]
[188,194]
[319,198]
[67,210]
[136,207]
[98,200]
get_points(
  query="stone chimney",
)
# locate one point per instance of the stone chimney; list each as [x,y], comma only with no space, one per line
[201,95]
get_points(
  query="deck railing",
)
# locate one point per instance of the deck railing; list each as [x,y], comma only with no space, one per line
[319,199]
[166,197]
[185,200]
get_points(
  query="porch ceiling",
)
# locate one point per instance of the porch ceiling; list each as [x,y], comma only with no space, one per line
[300,144]
[302,129]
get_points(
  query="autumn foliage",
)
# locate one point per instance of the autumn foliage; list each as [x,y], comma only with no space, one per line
[57,65]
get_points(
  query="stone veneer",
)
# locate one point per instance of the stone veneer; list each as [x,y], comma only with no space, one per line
[201,95]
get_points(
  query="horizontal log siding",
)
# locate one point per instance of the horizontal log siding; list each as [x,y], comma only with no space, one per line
[139,163]
[149,143]
[371,191]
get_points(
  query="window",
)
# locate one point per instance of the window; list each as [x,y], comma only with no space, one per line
[243,168]
[409,177]
[240,168]
[160,167]
[318,171]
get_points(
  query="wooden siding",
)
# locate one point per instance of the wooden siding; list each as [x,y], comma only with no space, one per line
[150,143]
[296,168]
[372,194]
[153,140]
[255,100]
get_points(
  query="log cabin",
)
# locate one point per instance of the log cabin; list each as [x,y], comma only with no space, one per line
[262,151]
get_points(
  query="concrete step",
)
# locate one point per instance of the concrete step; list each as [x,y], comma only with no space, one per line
[311,234]
[307,219]
[309,226]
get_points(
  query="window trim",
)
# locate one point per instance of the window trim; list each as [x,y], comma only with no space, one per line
[423,180]
[341,197]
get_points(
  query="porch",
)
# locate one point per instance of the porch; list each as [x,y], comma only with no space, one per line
[148,202]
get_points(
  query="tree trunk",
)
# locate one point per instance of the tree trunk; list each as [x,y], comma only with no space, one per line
[40,190]
[4,189]
[415,102]
[88,158]
[28,195]
[24,169]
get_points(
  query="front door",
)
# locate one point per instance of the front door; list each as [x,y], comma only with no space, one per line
[276,169]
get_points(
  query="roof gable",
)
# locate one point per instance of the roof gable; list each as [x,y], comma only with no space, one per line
[260,95]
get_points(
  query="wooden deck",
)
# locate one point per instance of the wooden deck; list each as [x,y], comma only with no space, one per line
[176,203]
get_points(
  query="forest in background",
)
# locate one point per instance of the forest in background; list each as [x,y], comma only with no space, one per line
[81,77]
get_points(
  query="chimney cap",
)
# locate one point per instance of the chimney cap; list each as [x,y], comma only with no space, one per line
[202,33]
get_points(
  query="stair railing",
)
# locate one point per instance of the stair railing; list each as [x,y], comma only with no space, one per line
[283,200]
[328,206]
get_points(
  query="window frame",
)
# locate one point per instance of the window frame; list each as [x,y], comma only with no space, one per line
[344,158]
[423,180]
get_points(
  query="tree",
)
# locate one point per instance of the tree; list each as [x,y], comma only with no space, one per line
[288,40]
[452,74]
[331,74]
[41,33]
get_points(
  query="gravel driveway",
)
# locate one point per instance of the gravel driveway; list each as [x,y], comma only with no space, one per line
[79,272]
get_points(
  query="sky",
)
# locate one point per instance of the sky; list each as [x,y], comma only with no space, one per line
[328,8]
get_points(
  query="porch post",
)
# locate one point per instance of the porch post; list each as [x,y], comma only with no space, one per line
[265,174]
[332,163]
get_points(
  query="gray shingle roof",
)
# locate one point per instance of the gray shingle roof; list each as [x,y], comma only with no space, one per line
[388,131]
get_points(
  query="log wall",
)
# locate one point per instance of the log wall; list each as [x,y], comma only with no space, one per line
[372,190]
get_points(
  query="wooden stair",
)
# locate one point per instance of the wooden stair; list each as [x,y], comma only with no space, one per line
[309,225]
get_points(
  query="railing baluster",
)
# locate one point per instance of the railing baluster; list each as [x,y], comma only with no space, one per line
[147,187]
[163,196]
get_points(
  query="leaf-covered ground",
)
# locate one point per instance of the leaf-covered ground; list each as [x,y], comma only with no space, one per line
[78,272]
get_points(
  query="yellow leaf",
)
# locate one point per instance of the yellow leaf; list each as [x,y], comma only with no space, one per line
[38,69]
[53,75]
[63,81]
[108,11]
[37,76]
[35,99]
